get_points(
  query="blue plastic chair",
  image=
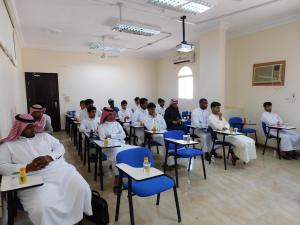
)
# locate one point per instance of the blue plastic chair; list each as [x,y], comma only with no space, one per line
[187,123]
[269,136]
[180,151]
[237,122]
[153,186]
[185,114]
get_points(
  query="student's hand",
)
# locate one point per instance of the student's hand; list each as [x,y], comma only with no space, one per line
[224,128]
[39,163]
[220,115]
[127,117]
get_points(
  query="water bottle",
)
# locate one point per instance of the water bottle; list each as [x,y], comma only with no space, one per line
[213,159]
[146,165]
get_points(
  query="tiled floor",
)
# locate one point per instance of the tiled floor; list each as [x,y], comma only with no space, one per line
[264,192]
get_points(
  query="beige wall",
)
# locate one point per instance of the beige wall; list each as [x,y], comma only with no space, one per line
[280,43]
[12,91]
[84,76]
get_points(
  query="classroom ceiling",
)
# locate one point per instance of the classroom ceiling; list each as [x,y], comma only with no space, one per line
[71,24]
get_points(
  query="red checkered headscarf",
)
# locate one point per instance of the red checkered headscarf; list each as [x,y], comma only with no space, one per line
[40,124]
[105,113]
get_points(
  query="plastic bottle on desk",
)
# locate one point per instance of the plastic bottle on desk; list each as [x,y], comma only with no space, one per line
[146,165]
[22,176]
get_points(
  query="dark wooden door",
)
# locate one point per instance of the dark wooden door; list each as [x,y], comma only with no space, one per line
[42,88]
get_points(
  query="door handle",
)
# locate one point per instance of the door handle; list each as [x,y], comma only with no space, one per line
[55,104]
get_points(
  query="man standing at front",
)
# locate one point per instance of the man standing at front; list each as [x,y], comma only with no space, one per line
[65,195]
[138,119]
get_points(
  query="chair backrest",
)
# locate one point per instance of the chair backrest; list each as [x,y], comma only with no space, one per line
[186,114]
[71,113]
[264,127]
[174,134]
[135,157]
[236,122]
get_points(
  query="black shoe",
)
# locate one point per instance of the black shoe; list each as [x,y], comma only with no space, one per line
[286,157]
[207,157]
[218,156]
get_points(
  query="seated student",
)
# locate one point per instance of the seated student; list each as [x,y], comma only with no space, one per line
[91,123]
[137,104]
[80,112]
[89,102]
[65,195]
[200,120]
[172,116]
[111,129]
[138,119]
[160,107]
[245,149]
[125,115]
[111,104]
[43,120]
[290,139]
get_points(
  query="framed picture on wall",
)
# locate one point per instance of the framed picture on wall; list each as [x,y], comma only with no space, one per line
[269,74]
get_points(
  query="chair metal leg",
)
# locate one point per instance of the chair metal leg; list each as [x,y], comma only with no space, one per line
[166,158]
[130,201]
[157,199]
[189,168]
[118,199]
[176,166]
[228,154]
[255,138]
[224,154]
[203,166]
[89,160]
[157,150]
[265,145]
[177,204]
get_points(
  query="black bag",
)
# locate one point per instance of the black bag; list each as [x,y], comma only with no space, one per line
[100,210]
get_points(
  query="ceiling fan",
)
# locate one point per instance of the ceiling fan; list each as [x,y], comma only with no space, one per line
[96,47]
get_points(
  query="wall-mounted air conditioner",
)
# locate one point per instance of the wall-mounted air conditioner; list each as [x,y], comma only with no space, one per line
[184,58]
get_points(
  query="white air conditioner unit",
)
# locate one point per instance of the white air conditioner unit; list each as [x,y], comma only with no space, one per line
[184,58]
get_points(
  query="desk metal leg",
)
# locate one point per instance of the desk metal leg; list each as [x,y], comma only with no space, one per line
[225,163]
[96,164]
[130,134]
[101,169]
[176,166]
[10,208]
[278,144]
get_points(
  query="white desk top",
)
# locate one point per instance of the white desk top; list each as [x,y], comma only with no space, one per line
[10,183]
[136,126]
[227,132]
[181,142]
[282,127]
[138,174]
[156,132]
[111,144]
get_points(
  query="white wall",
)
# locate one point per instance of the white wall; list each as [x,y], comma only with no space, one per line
[280,43]
[84,76]
[12,90]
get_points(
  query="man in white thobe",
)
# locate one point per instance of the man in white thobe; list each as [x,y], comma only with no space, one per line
[125,115]
[65,195]
[160,107]
[85,114]
[138,119]
[79,113]
[290,139]
[91,123]
[200,122]
[43,123]
[136,103]
[244,147]
[112,130]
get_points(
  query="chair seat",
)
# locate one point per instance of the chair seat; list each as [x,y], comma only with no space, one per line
[186,152]
[249,131]
[152,186]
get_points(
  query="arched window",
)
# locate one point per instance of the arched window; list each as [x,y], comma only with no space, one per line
[185,83]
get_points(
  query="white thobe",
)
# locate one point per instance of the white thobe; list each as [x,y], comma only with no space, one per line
[125,113]
[64,196]
[89,124]
[85,114]
[48,125]
[139,116]
[117,134]
[80,114]
[200,120]
[160,110]
[244,147]
[290,139]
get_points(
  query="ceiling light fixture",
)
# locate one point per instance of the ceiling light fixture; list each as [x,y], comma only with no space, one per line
[134,28]
[189,6]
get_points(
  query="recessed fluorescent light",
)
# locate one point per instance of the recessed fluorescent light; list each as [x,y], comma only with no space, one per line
[137,29]
[196,7]
[190,6]
[173,3]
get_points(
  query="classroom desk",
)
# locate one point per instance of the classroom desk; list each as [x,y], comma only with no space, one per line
[193,128]
[148,136]
[176,143]
[99,147]
[278,129]
[10,184]
[226,133]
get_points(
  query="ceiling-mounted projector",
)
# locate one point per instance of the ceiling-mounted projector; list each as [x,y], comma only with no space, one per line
[184,46]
